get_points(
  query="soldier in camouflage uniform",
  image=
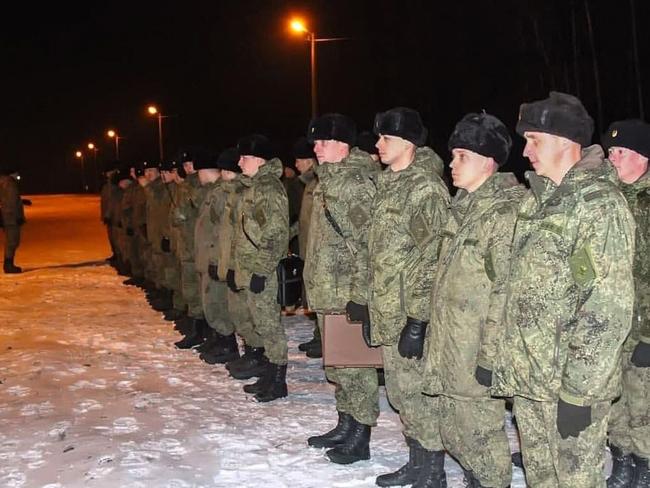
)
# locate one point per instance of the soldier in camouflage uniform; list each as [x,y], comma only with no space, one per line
[151,175]
[119,201]
[12,217]
[466,320]
[136,221]
[336,272]
[628,143]
[260,240]
[569,298]
[409,210]
[217,178]
[105,208]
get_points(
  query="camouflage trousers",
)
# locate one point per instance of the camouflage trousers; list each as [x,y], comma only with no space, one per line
[135,256]
[418,412]
[214,299]
[473,432]
[629,423]
[149,265]
[241,317]
[111,238]
[190,289]
[12,240]
[265,312]
[356,389]
[553,462]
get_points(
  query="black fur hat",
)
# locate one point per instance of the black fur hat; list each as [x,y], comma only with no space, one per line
[336,127]
[255,145]
[401,122]
[229,160]
[632,134]
[366,141]
[139,168]
[169,165]
[303,149]
[560,115]
[483,134]
[204,160]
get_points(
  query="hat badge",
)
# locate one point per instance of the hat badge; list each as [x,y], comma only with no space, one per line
[614,133]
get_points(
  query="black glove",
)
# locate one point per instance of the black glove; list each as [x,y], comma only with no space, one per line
[26,201]
[213,272]
[257,283]
[411,340]
[572,419]
[230,279]
[641,355]
[360,313]
[483,376]
[106,221]
[165,244]
[129,231]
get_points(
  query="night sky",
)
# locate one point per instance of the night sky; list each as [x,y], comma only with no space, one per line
[223,69]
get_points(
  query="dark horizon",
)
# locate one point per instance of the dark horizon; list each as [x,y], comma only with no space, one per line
[226,69]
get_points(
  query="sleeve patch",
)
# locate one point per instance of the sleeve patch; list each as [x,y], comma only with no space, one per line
[582,266]
[260,216]
[358,216]
[420,230]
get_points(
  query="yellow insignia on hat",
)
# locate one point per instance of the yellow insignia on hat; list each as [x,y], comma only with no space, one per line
[614,133]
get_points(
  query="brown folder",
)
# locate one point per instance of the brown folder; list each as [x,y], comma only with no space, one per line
[343,344]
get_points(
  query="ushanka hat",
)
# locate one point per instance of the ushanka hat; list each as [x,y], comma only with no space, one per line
[483,134]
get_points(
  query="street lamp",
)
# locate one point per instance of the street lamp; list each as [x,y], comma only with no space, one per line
[298,26]
[94,149]
[153,110]
[80,155]
[113,135]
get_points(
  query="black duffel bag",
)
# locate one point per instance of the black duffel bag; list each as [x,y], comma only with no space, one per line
[289,272]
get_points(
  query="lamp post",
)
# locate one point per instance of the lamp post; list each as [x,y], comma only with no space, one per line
[80,155]
[153,110]
[298,26]
[94,149]
[113,135]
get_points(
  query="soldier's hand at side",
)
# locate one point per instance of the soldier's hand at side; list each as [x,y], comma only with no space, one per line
[230,279]
[641,355]
[411,340]
[213,272]
[483,376]
[258,283]
[572,419]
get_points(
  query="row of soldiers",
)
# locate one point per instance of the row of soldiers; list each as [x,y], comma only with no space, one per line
[536,294]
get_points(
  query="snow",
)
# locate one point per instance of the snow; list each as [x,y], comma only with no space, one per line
[93,392]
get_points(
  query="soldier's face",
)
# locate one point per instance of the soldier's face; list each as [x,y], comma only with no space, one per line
[209,175]
[468,168]
[391,148]
[330,151]
[151,174]
[629,164]
[250,165]
[167,176]
[544,151]
[227,175]
[304,164]
[143,181]
[188,166]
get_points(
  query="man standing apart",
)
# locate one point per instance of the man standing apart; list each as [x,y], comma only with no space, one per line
[336,272]
[13,216]
[409,210]
[468,300]
[569,298]
[628,143]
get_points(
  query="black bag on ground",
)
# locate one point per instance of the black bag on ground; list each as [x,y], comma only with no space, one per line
[289,273]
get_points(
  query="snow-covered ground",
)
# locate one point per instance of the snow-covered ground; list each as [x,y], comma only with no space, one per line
[93,392]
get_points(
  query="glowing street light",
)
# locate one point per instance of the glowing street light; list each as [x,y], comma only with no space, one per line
[153,110]
[298,26]
[91,146]
[113,135]
[80,156]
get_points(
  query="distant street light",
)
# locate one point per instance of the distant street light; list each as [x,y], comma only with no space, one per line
[94,149]
[113,135]
[298,26]
[153,110]
[80,155]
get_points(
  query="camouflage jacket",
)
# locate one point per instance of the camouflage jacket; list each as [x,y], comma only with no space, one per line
[336,264]
[409,211]
[105,199]
[570,291]
[116,206]
[11,205]
[469,292]
[226,223]
[637,195]
[126,207]
[188,197]
[158,208]
[310,181]
[139,220]
[261,236]
[205,235]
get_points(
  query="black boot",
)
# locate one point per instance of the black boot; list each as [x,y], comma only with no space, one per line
[408,473]
[173,314]
[238,363]
[432,474]
[335,436]
[212,339]
[305,346]
[622,469]
[183,324]
[164,300]
[139,282]
[356,446]
[196,335]
[226,351]
[255,366]
[10,268]
[641,473]
[262,381]
[275,384]
[315,351]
